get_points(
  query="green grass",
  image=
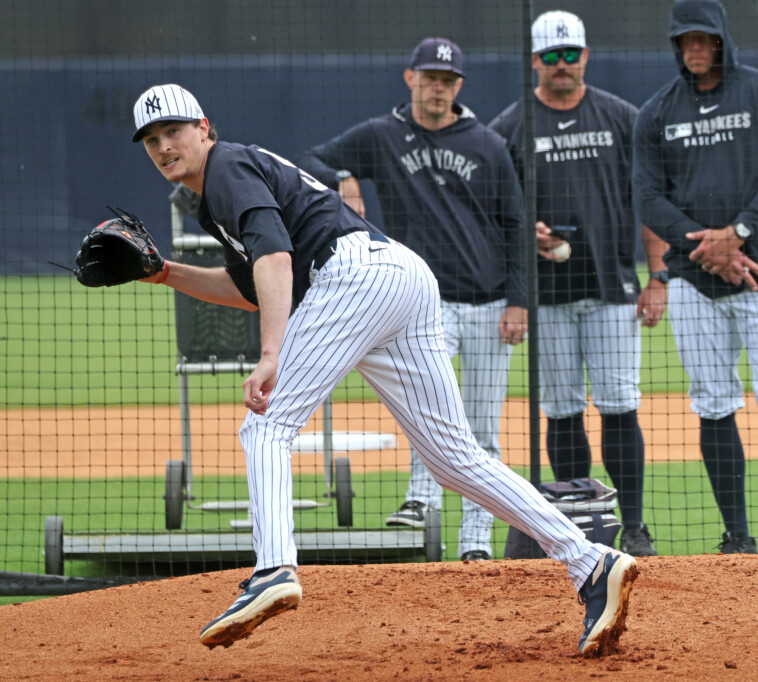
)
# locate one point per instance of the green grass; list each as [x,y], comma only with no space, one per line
[679,504]
[62,344]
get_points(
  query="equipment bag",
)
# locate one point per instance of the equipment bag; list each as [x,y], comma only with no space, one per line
[586,501]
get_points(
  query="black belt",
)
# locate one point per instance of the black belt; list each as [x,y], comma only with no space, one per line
[327,251]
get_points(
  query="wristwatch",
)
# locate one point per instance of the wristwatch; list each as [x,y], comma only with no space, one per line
[661,275]
[341,175]
[742,231]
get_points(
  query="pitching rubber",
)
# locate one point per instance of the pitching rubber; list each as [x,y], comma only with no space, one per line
[240,625]
[610,626]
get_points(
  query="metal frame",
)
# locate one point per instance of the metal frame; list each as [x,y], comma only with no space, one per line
[348,544]
[229,546]
[186,369]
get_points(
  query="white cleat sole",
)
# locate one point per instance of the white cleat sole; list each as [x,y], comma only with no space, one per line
[241,624]
[610,626]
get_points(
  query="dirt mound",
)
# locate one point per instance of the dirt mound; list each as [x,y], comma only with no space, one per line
[689,617]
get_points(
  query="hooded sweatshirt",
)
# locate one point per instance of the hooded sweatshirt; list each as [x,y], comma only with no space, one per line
[451,195]
[696,151]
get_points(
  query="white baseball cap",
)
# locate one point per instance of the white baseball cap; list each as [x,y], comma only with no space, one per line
[557,29]
[164,103]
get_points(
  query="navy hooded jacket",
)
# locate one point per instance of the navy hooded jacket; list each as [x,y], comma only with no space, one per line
[696,151]
[451,195]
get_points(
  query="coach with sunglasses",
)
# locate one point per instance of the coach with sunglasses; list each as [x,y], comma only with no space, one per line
[590,302]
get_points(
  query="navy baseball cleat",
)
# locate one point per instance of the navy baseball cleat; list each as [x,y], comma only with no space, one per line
[637,542]
[606,597]
[265,594]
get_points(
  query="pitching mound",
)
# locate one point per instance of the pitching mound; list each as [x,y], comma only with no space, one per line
[690,617]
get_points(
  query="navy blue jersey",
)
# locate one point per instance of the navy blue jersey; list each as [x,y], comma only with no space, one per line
[696,153]
[451,195]
[584,166]
[240,179]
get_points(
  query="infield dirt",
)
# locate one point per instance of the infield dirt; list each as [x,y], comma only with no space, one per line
[690,618]
[98,442]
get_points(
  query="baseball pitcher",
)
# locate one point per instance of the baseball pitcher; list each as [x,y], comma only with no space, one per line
[363,301]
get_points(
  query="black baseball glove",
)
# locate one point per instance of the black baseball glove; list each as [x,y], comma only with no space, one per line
[117,251]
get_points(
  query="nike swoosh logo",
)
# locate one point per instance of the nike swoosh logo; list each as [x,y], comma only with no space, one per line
[708,110]
[563,126]
[378,248]
[408,138]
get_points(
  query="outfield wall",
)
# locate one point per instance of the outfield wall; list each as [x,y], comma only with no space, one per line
[66,148]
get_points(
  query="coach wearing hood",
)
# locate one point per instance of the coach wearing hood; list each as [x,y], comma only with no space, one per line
[696,186]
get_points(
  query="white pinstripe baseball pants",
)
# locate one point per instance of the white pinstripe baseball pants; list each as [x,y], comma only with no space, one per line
[376,307]
[471,332]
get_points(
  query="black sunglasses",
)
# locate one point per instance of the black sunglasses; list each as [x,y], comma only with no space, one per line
[552,57]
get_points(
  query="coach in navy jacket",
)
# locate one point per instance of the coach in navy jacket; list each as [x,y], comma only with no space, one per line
[696,186]
[444,193]
[448,190]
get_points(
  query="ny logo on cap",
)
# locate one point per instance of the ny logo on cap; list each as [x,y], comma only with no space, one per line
[445,53]
[153,104]
[561,30]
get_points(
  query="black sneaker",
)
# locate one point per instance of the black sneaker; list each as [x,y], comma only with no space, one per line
[737,545]
[606,598]
[265,594]
[637,542]
[410,514]
[475,555]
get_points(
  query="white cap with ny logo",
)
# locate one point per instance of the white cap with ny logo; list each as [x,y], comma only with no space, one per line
[557,29]
[164,103]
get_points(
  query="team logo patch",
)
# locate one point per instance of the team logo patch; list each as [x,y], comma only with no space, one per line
[678,131]
[128,235]
[445,53]
[152,104]
[543,144]
[561,30]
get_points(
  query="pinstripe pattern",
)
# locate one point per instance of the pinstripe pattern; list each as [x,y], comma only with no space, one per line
[380,313]
[710,334]
[471,331]
[606,338]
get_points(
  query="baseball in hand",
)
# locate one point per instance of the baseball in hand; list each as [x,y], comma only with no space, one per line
[561,252]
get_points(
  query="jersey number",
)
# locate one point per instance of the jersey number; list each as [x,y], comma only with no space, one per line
[307,179]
